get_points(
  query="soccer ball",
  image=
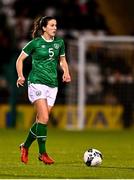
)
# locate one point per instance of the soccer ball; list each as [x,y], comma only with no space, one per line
[92,157]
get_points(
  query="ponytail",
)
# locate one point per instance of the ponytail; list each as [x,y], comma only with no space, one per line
[37,30]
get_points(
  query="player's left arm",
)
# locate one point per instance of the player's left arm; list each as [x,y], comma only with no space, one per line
[64,66]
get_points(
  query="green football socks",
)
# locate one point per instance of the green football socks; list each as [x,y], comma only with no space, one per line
[41,137]
[31,136]
[38,131]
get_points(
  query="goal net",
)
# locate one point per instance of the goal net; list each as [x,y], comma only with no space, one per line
[98,64]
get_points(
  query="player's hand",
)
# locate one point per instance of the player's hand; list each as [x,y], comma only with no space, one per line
[20,81]
[66,77]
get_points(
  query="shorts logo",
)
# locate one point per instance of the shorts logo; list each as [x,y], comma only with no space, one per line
[38,93]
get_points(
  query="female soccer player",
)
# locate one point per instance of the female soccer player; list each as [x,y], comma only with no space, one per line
[46,50]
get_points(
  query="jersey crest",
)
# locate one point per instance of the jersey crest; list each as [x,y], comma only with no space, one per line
[56,46]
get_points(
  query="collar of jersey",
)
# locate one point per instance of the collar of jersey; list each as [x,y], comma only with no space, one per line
[47,40]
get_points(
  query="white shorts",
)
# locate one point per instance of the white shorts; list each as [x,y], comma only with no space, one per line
[41,91]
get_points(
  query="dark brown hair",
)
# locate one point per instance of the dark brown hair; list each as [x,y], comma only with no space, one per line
[38,24]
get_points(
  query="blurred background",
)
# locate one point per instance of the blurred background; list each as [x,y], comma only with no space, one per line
[99,43]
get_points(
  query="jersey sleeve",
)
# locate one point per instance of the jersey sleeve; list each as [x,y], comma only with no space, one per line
[62,49]
[28,48]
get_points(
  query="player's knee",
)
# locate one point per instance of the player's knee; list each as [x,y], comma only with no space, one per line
[43,119]
[46,119]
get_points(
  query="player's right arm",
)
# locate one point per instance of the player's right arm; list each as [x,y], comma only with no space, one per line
[26,51]
[19,68]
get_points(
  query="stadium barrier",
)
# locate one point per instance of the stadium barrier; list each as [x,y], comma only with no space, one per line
[65,117]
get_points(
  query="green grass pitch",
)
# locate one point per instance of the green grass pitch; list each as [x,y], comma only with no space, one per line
[67,148]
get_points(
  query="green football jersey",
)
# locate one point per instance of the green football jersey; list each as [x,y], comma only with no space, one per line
[45,56]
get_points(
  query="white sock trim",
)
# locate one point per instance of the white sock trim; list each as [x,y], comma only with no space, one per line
[41,136]
[32,133]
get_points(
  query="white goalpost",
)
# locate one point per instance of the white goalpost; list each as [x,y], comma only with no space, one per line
[81,49]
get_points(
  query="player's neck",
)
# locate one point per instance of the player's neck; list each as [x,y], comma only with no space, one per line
[46,37]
